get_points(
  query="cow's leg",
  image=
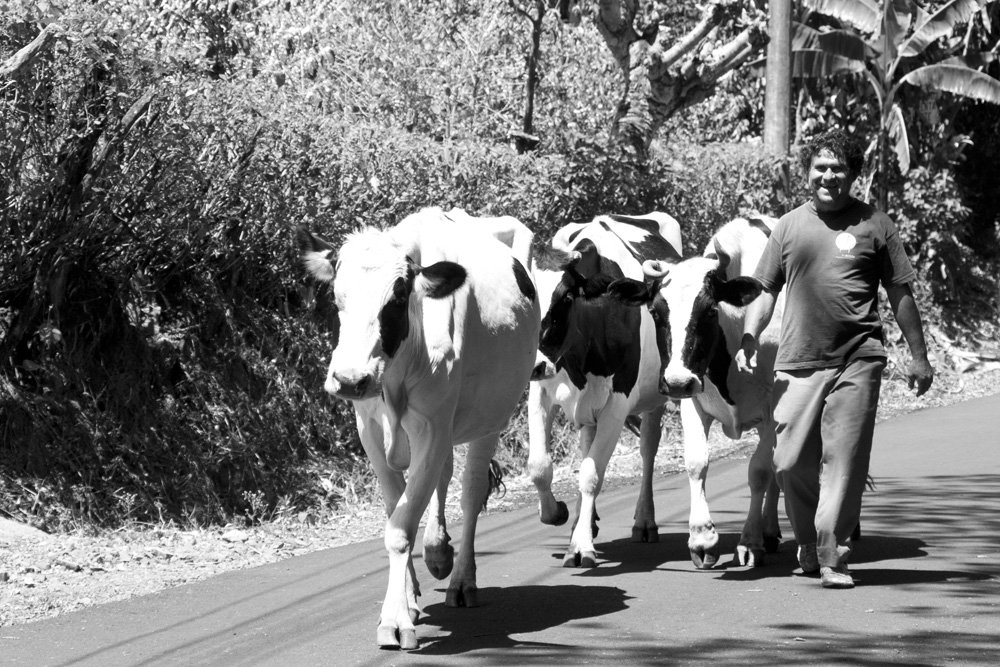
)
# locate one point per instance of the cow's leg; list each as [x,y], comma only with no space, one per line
[703,540]
[541,411]
[762,516]
[462,589]
[396,624]
[391,482]
[644,529]
[439,555]
[598,444]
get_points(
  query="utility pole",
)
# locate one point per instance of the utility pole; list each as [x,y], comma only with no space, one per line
[778,73]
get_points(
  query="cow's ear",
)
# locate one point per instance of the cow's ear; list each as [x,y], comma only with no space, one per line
[547,258]
[317,255]
[439,280]
[631,292]
[586,260]
[738,291]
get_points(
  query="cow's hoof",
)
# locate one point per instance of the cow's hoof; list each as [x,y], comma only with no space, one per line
[561,515]
[645,534]
[464,596]
[391,637]
[704,559]
[408,639]
[771,543]
[584,559]
[748,557]
[439,560]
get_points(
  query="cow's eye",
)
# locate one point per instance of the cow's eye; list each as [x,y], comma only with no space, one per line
[400,299]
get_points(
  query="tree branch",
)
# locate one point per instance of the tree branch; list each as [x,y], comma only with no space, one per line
[662,80]
[27,55]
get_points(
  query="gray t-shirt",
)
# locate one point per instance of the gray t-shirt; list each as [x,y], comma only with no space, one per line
[830,265]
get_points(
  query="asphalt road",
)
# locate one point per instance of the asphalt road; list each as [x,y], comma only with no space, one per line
[927,573]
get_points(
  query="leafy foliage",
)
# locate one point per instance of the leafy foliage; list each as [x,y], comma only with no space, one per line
[161,352]
[892,45]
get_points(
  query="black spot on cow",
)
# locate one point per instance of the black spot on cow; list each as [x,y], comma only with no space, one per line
[704,351]
[587,331]
[523,280]
[702,333]
[645,224]
[718,368]
[443,278]
[394,322]
[652,246]
[604,341]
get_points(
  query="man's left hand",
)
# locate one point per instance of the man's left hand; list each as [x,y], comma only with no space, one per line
[919,374]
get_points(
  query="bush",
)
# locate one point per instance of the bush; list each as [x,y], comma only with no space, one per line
[161,353]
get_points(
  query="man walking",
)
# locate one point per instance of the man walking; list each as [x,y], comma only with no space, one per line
[830,255]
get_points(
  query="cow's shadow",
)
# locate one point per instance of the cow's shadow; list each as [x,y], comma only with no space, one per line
[623,556]
[516,610]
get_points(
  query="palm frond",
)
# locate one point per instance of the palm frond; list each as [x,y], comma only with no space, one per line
[956,79]
[865,15]
[937,25]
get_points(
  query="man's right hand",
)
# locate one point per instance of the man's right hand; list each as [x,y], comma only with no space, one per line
[745,356]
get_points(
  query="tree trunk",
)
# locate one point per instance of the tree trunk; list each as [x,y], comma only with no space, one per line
[662,79]
[526,140]
[778,88]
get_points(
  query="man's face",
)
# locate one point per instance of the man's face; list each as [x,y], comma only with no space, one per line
[831,181]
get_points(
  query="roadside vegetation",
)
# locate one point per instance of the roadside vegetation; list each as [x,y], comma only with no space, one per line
[161,351]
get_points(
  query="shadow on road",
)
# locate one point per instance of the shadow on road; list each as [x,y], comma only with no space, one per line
[517,610]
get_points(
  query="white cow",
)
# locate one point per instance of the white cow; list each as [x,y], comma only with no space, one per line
[598,361]
[438,331]
[701,304]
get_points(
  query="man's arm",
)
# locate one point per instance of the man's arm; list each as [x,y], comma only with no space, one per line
[758,315]
[919,372]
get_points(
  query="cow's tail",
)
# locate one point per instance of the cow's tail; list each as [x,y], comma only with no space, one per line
[496,485]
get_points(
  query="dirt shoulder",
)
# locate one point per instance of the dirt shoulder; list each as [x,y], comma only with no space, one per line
[44,575]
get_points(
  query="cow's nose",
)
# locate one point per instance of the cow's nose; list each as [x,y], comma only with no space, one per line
[348,386]
[680,386]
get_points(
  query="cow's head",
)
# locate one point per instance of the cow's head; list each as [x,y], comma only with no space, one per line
[583,330]
[567,280]
[378,287]
[685,300]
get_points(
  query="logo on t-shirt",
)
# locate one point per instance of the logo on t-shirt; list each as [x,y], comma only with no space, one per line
[846,243]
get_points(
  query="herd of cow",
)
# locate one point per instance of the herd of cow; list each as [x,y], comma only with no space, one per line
[445,318]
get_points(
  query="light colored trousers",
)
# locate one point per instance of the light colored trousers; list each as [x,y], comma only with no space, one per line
[825,422]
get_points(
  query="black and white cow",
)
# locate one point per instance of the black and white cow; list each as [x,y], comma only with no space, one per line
[700,304]
[598,360]
[438,331]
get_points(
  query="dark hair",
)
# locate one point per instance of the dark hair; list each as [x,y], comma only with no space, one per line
[843,146]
